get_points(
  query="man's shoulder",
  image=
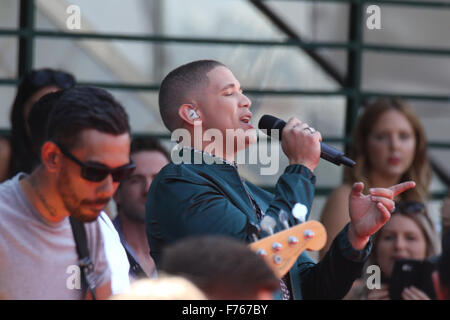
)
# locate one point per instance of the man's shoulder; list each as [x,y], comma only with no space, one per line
[185,170]
[9,197]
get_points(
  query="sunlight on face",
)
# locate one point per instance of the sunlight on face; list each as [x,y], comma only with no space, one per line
[224,106]
[82,198]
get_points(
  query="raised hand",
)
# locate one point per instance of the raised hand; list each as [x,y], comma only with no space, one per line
[368,213]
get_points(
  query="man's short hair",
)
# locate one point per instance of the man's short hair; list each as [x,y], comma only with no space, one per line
[83,108]
[148,144]
[222,267]
[177,87]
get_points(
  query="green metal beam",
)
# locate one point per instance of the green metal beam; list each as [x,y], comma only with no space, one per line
[351,45]
[26,38]
[431,4]
[354,67]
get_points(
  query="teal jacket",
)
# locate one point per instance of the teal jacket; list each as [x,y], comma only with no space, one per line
[200,199]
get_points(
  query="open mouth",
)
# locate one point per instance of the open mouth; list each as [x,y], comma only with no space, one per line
[246,119]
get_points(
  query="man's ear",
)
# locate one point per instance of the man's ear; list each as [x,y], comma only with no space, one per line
[51,156]
[188,113]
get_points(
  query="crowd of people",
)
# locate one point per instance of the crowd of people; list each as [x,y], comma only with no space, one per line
[182,230]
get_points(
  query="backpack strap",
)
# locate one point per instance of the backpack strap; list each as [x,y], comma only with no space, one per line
[85,263]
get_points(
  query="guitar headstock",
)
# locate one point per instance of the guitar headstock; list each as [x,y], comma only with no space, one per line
[282,249]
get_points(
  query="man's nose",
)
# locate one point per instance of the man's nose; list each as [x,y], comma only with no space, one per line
[107,187]
[245,101]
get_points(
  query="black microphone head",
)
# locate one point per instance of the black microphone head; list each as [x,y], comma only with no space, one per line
[269,122]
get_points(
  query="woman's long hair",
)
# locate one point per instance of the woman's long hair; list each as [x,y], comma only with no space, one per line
[419,171]
[22,157]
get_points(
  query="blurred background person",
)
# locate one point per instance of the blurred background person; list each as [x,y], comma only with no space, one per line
[163,288]
[409,234]
[389,147]
[222,267]
[17,153]
[441,277]
[445,217]
[150,157]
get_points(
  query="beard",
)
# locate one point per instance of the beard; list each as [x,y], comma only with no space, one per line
[133,213]
[78,208]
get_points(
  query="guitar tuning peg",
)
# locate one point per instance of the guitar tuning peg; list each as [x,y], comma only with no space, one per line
[308,234]
[268,224]
[292,240]
[299,212]
[283,216]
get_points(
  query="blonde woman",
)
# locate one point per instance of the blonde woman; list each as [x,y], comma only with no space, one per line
[389,147]
[409,234]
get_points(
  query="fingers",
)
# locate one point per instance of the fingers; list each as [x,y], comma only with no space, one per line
[295,124]
[389,204]
[301,146]
[412,293]
[291,124]
[393,191]
[382,192]
[378,294]
[357,189]
[401,187]
[385,213]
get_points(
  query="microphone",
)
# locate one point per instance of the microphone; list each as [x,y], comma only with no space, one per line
[328,153]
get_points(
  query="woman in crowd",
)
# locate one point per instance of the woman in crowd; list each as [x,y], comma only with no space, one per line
[389,147]
[17,153]
[409,234]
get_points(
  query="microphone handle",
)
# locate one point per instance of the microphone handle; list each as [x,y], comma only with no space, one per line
[335,156]
[327,152]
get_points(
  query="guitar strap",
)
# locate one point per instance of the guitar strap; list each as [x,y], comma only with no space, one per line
[285,290]
[85,263]
[135,266]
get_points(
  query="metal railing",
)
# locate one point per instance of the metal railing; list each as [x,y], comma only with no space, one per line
[350,83]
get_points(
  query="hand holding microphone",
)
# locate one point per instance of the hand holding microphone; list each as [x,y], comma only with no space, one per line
[300,143]
[303,145]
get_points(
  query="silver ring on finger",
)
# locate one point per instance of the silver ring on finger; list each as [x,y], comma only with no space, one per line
[310,129]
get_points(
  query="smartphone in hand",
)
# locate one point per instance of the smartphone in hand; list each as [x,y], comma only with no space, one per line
[408,273]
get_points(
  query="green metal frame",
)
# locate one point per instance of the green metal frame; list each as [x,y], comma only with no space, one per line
[26,33]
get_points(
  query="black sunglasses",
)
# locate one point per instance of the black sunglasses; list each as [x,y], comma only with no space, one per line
[45,77]
[409,207]
[98,172]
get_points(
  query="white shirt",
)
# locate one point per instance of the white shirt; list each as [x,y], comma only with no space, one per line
[115,255]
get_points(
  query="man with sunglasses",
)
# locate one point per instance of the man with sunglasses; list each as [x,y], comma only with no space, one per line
[85,157]
[209,197]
